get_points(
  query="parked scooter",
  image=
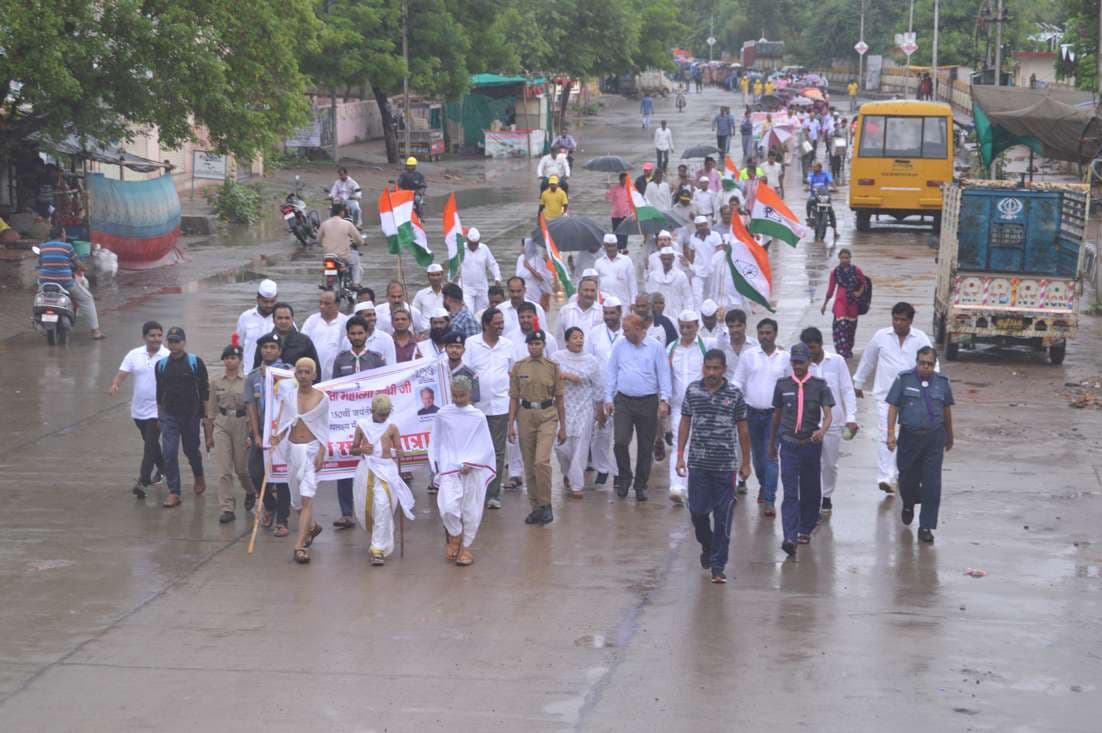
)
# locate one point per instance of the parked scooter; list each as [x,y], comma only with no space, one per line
[53,312]
[302,223]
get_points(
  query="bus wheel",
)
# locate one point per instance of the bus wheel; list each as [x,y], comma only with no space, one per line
[1057,352]
[936,218]
[864,221]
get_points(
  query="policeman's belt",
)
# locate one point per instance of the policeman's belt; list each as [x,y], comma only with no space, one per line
[233,413]
[536,405]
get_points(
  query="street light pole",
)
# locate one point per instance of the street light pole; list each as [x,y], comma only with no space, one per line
[405,77]
[933,53]
[711,34]
[998,42]
[861,56]
[910,29]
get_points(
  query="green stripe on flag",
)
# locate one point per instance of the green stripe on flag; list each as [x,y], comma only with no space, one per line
[564,276]
[648,213]
[743,286]
[775,230]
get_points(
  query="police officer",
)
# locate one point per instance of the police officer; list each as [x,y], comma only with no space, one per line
[535,403]
[921,400]
[277,498]
[229,438]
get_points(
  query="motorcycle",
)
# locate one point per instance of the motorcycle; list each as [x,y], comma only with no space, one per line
[336,201]
[822,213]
[337,276]
[302,223]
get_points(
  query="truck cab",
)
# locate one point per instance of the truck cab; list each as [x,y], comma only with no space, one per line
[1010,259]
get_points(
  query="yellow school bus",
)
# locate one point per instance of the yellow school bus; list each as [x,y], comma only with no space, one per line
[902,155]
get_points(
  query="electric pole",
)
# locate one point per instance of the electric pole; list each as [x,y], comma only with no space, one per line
[861,56]
[910,29]
[933,52]
[998,42]
[712,35]
[405,78]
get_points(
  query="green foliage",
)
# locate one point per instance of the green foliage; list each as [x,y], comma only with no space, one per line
[1081,32]
[234,202]
[103,69]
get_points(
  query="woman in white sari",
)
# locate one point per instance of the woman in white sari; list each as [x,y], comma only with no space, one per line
[583,389]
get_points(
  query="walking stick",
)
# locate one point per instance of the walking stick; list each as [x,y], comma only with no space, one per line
[264,485]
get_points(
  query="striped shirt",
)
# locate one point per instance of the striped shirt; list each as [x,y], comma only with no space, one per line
[56,262]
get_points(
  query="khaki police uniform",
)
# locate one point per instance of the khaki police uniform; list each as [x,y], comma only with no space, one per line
[231,428]
[536,385]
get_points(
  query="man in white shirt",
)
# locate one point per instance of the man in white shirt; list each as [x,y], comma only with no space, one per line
[532,268]
[599,340]
[704,201]
[257,321]
[663,145]
[346,191]
[490,356]
[514,289]
[396,298]
[686,366]
[429,299]
[556,164]
[670,281]
[735,342]
[584,313]
[711,328]
[478,261]
[756,375]
[617,272]
[724,292]
[701,246]
[381,342]
[774,172]
[326,329]
[141,362]
[832,369]
[890,351]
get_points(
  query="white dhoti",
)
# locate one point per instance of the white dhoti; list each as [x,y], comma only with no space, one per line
[679,485]
[601,447]
[832,445]
[301,475]
[377,492]
[515,460]
[460,501]
[573,455]
[885,459]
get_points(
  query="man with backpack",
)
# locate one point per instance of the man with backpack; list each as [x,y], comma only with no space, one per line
[183,391]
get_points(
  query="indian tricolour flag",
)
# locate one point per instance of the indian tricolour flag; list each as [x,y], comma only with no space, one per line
[730,174]
[640,209]
[453,237]
[772,217]
[748,263]
[401,228]
[555,263]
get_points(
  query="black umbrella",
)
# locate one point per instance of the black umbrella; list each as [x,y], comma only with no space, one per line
[699,151]
[651,227]
[572,233]
[607,164]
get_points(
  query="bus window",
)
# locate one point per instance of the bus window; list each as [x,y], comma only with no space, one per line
[872,137]
[934,142]
[903,138]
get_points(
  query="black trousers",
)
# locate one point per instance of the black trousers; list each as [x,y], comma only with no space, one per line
[918,455]
[637,415]
[621,239]
[151,453]
[662,160]
[277,497]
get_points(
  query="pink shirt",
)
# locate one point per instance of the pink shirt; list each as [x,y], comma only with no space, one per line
[843,306]
[617,195]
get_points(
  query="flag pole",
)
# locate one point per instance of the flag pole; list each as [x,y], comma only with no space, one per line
[398,255]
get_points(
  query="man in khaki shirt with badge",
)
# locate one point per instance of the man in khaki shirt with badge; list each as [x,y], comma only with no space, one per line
[536,404]
[230,437]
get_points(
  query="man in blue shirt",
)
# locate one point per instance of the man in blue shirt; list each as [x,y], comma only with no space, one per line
[58,263]
[724,125]
[816,178]
[746,129]
[637,389]
[646,108]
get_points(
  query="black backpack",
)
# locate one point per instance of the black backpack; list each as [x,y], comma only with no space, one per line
[864,300]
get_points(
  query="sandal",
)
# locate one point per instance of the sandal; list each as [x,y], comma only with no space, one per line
[314,532]
[266,519]
[344,523]
[281,531]
[576,495]
[302,557]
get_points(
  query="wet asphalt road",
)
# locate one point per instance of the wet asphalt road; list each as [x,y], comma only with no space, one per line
[122,616]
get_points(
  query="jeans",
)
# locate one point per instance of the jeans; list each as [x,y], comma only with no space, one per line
[747,147]
[765,468]
[723,143]
[919,455]
[499,430]
[344,497]
[355,212]
[151,453]
[638,415]
[801,467]
[711,504]
[277,497]
[662,160]
[176,429]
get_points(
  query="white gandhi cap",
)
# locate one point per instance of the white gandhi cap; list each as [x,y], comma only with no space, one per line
[473,235]
[367,305]
[667,251]
[611,239]
[664,233]
[688,316]
[434,267]
[700,220]
[709,308]
[590,272]
[267,289]
[439,313]
[611,301]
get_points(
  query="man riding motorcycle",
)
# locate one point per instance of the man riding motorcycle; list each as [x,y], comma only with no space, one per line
[336,236]
[346,191]
[820,179]
[412,180]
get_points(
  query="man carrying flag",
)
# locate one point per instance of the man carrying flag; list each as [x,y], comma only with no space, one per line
[555,262]
[746,272]
[771,217]
[453,237]
[401,226]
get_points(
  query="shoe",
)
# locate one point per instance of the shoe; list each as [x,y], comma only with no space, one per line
[886,487]
[761,499]
[742,488]
[622,490]
[431,489]
[226,517]
[312,534]
[668,437]
[926,535]
[719,577]
[827,506]
[250,501]
[908,515]
[156,478]
[659,451]
[465,558]
[377,558]
[576,494]
[344,523]
[533,517]
[172,500]
[451,549]
[138,490]
[706,558]
[546,515]
[640,494]
[493,504]
[515,483]
[200,486]
[601,480]
[789,548]
[803,539]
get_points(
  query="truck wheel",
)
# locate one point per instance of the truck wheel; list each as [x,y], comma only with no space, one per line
[1057,352]
[864,221]
[939,329]
[951,348]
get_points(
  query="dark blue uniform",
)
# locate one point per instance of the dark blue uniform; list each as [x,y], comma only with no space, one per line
[920,447]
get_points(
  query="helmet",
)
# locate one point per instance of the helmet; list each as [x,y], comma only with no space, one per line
[411,160]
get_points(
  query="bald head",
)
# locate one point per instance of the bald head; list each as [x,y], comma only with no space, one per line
[633,328]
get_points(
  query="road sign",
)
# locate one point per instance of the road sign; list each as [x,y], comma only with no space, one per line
[861,47]
[907,42]
[711,40]
[909,48]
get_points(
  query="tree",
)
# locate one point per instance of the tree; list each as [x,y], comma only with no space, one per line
[1082,33]
[106,69]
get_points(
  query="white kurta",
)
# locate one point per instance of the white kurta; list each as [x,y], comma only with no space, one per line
[534,287]
[674,287]
[686,366]
[571,315]
[618,278]
[478,269]
[833,370]
[724,292]
[703,248]
[599,342]
[378,489]
[427,301]
[460,438]
[251,326]
[419,323]
[329,339]
[512,322]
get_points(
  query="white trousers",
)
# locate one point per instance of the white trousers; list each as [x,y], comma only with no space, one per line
[514,458]
[601,447]
[702,289]
[301,477]
[573,455]
[832,444]
[885,459]
[460,501]
[679,485]
[475,301]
